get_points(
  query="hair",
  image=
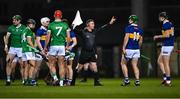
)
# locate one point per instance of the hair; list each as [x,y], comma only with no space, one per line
[89,20]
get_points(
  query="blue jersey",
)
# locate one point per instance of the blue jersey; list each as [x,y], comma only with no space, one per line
[72,35]
[135,32]
[42,32]
[170,40]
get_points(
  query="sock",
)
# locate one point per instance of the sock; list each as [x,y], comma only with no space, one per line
[137,81]
[66,80]
[29,80]
[8,78]
[61,82]
[164,77]
[85,74]
[168,80]
[54,76]
[96,77]
[33,81]
[126,80]
[69,80]
[75,74]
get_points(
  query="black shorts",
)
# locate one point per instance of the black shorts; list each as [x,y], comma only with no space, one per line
[87,56]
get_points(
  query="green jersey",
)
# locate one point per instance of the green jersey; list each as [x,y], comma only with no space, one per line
[15,35]
[27,33]
[58,31]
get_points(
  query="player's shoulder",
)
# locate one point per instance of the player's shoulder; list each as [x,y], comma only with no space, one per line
[168,23]
[23,26]
[72,34]
[51,23]
[64,23]
[140,28]
[11,26]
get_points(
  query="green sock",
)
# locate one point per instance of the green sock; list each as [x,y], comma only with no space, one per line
[54,76]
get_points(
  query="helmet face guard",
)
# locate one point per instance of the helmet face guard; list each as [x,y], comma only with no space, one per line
[134,18]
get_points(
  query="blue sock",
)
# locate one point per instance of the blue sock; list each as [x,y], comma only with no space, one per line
[168,78]
[126,79]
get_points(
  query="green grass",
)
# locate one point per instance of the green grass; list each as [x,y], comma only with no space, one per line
[149,88]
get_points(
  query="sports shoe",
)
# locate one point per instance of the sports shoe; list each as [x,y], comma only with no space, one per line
[97,83]
[8,83]
[137,83]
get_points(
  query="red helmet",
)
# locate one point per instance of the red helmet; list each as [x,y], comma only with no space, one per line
[58,13]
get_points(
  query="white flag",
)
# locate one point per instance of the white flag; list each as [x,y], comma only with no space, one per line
[77,20]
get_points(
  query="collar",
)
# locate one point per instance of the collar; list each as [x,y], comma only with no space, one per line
[43,27]
[58,20]
[165,21]
[18,26]
[134,24]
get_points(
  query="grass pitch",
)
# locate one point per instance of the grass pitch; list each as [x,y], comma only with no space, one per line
[150,88]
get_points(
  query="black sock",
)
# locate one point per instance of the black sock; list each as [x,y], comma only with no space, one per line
[75,74]
[85,74]
[96,77]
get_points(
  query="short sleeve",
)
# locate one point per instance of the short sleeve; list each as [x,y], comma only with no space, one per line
[9,30]
[72,34]
[166,26]
[127,30]
[49,28]
[141,32]
[29,34]
[38,33]
[66,26]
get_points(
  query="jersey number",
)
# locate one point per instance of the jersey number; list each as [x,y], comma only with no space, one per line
[136,36]
[59,30]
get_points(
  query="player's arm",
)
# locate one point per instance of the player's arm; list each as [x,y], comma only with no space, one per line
[74,40]
[68,36]
[140,41]
[126,39]
[29,40]
[113,19]
[165,35]
[38,42]
[38,39]
[47,39]
[6,41]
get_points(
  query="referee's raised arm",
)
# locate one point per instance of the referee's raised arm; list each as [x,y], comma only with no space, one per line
[113,19]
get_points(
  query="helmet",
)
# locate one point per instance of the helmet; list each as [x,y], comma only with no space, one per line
[31,21]
[134,18]
[44,20]
[58,13]
[163,14]
[17,17]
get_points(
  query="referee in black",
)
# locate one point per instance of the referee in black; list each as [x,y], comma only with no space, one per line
[88,51]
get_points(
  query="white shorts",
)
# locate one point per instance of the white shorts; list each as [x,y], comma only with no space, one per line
[167,50]
[38,57]
[28,56]
[15,51]
[131,54]
[15,60]
[57,51]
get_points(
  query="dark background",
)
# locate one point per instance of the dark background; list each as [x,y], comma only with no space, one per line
[101,11]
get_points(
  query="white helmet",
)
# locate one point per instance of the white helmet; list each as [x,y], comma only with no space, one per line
[44,20]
